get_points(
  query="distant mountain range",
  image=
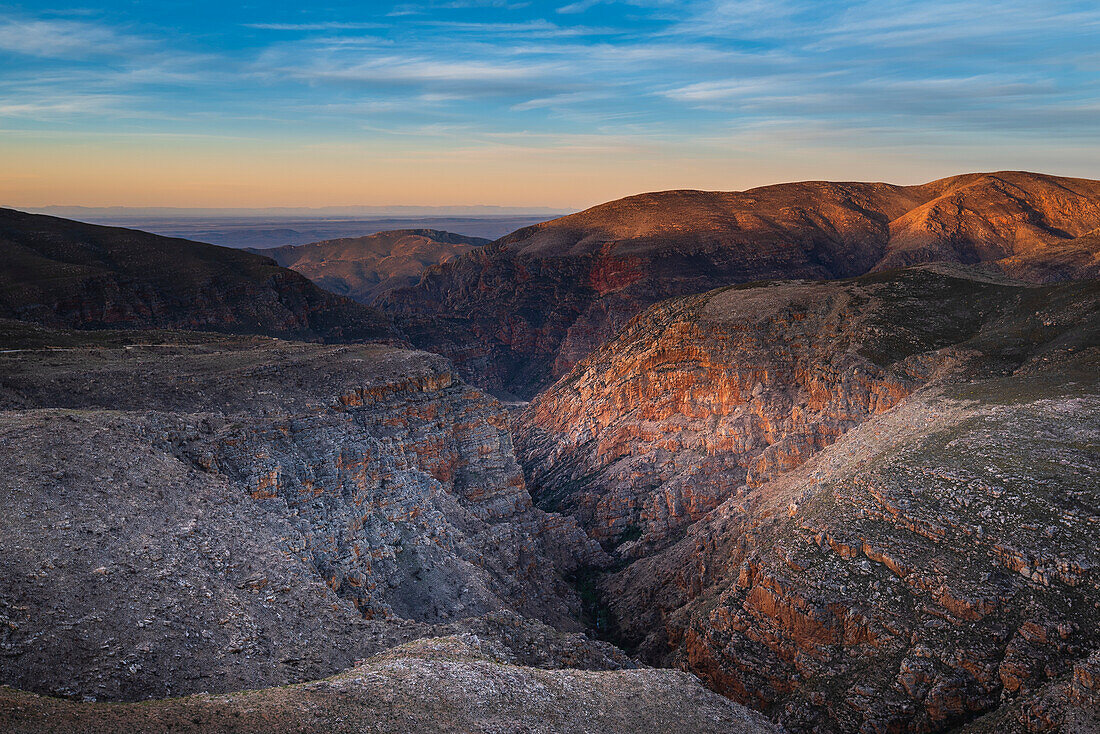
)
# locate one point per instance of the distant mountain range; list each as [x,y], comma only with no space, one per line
[263,233]
[292,212]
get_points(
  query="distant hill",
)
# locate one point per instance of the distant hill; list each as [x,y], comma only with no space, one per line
[245,228]
[522,311]
[68,274]
[363,267]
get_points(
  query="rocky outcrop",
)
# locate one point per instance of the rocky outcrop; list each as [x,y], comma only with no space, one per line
[453,684]
[362,268]
[701,398]
[130,573]
[888,583]
[230,514]
[409,498]
[858,506]
[1068,704]
[519,313]
[68,274]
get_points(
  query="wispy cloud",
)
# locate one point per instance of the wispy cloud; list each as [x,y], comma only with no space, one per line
[444,79]
[61,107]
[62,39]
[326,26]
[683,76]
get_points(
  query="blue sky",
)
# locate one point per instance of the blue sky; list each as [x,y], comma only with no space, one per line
[539,103]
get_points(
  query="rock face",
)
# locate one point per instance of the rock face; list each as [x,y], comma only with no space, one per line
[1069,704]
[361,268]
[521,312]
[68,274]
[230,514]
[892,584]
[702,396]
[867,505]
[456,684]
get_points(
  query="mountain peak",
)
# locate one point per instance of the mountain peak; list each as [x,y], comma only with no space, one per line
[570,283]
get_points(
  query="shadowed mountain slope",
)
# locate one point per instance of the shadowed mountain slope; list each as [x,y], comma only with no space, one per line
[522,311]
[363,267]
[1064,260]
[75,275]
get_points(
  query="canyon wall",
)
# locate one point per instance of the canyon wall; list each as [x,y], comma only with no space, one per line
[702,397]
[860,505]
[237,513]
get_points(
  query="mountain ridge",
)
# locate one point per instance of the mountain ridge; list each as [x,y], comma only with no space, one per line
[64,273]
[521,311]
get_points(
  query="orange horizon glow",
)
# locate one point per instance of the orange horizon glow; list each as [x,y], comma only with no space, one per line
[186,173]
[530,104]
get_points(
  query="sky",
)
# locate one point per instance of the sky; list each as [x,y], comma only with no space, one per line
[524,103]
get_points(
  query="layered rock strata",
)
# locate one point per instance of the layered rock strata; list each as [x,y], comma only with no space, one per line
[702,397]
[859,506]
[894,583]
[238,513]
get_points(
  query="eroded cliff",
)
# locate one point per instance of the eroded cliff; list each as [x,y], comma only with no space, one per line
[860,505]
[703,397]
[233,513]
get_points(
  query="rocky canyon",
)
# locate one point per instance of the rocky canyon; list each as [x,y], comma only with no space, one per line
[816,457]
[859,505]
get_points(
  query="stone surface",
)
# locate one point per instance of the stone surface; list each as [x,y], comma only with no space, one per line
[246,512]
[1069,704]
[518,314]
[456,684]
